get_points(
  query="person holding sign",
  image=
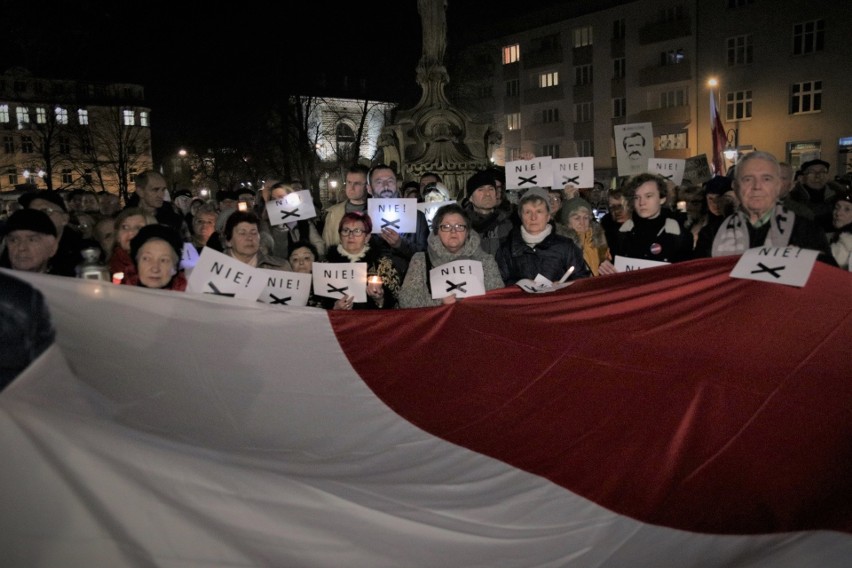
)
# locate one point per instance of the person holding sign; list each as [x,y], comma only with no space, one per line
[279,239]
[452,239]
[534,248]
[653,232]
[357,245]
[242,238]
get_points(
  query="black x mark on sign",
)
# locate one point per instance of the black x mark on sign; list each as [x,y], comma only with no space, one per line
[575,179]
[524,180]
[277,300]
[386,223]
[460,286]
[293,213]
[216,291]
[342,291]
[773,271]
[668,176]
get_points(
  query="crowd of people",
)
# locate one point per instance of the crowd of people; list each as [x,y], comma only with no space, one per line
[552,233]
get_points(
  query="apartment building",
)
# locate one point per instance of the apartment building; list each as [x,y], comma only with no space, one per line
[61,134]
[558,87]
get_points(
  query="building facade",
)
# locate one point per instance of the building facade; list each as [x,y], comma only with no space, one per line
[60,134]
[558,87]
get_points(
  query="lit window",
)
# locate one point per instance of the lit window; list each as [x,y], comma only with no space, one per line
[511,54]
[672,57]
[4,114]
[808,37]
[41,115]
[738,105]
[513,121]
[548,79]
[582,36]
[143,118]
[61,115]
[83,117]
[129,117]
[583,112]
[619,107]
[23,114]
[806,97]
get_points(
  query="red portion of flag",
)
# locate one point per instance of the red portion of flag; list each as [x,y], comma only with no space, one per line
[720,139]
[678,396]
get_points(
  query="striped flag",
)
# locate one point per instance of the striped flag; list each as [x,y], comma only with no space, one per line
[720,139]
[670,416]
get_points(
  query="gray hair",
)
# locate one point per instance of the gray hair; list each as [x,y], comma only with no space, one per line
[756,155]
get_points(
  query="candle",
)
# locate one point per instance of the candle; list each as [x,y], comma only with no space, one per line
[117,277]
[376,279]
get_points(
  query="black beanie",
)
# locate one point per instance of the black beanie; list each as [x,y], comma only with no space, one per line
[480,178]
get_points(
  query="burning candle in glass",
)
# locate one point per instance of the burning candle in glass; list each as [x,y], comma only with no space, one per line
[374,283]
[117,277]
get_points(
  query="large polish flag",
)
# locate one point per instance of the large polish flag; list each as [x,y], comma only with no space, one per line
[671,416]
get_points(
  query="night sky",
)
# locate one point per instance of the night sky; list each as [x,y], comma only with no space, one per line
[195,59]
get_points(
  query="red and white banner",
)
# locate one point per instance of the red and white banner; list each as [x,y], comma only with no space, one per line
[672,416]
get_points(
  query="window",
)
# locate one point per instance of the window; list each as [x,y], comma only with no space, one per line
[4,114]
[619,107]
[582,36]
[513,121]
[513,88]
[583,112]
[740,50]
[61,115]
[670,141]
[548,79]
[545,44]
[64,145]
[83,117]
[807,97]
[511,54]
[66,176]
[514,154]
[583,75]
[672,57]
[585,148]
[23,114]
[808,37]
[550,115]
[619,67]
[619,29]
[675,98]
[738,105]
[26,145]
[87,177]
[8,144]
[143,118]
[12,175]
[128,117]
[551,150]
[41,115]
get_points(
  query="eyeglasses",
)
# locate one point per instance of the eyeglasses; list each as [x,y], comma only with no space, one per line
[357,232]
[453,228]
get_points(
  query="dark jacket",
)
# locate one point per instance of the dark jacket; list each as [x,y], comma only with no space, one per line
[663,238]
[379,262]
[492,229]
[26,329]
[551,258]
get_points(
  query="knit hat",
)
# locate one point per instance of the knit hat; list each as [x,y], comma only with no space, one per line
[162,232]
[30,220]
[535,192]
[45,194]
[479,179]
[575,203]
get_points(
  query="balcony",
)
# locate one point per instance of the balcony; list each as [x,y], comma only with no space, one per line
[543,95]
[582,93]
[542,131]
[672,115]
[660,74]
[582,55]
[511,70]
[617,87]
[542,58]
[584,130]
[662,31]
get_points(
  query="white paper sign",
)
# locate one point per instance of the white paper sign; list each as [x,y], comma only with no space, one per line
[430,208]
[671,170]
[296,206]
[780,265]
[541,285]
[579,172]
[188,256]
[338,279]
[627,264]
[222,275]
[524,174]
[634,146]
[284,288]
[397,213]
[460,278]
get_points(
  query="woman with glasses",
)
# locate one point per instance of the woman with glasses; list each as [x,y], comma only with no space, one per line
[451,239]
[357,245]
[534,248]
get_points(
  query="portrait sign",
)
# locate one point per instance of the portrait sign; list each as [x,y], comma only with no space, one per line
[219,274]
[779,265]
[397,213]
[293,207]
[460,278]
[338,279]
[670,170]
[627,264]
[429,208]
[524,174]
[284,288]
[579,172]
[634,146]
